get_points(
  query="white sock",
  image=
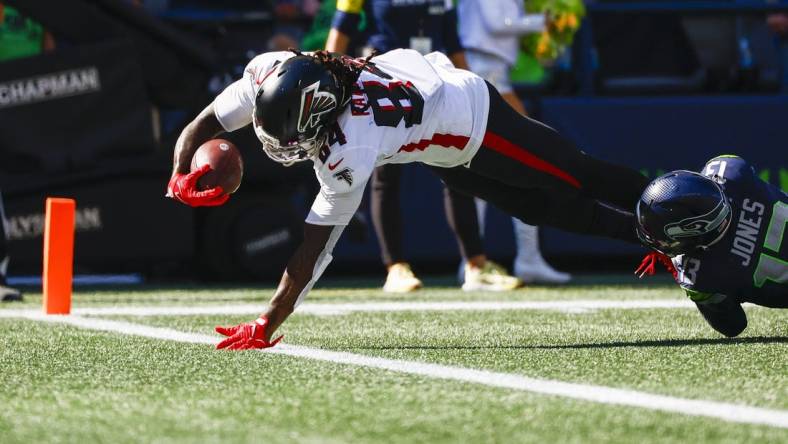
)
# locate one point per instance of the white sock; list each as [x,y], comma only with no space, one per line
[527,237]
[481,212]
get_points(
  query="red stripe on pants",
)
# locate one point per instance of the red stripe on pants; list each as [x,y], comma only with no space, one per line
[520,154]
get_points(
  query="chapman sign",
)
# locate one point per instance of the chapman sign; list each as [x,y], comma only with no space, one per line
[49,86]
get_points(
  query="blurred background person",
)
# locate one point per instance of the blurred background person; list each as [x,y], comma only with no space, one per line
[778,23]
[20,36]
[289,18]
[425,26]
[317,34]
[7,294]
[490,33]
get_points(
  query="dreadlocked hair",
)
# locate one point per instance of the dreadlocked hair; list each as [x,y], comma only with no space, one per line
[345,69]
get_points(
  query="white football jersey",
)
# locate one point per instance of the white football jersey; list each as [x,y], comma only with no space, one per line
[405,108]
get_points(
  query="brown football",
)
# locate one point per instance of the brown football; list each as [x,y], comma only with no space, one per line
[227,167]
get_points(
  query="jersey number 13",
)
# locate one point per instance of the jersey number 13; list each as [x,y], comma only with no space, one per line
[771,268]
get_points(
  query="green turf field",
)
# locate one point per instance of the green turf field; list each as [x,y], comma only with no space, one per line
[68,383]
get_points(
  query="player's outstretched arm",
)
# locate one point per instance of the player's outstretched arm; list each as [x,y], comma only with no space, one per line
[183,183]
[303,270]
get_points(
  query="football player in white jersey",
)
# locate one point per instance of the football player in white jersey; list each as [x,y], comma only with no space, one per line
[348,116]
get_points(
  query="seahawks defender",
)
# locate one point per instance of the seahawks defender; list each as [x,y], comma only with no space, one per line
[348,116]
[723,230]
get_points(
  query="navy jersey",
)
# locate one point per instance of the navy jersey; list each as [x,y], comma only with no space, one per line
[393,24]
[750,263]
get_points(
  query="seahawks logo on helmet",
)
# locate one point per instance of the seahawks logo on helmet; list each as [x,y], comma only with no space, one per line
[314,104]
[715,219]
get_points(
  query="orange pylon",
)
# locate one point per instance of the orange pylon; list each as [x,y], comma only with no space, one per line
[58,255]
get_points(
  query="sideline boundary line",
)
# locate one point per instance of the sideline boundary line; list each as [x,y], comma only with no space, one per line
[586,392]
[329,309]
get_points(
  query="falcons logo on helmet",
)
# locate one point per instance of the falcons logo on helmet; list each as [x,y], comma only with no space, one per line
[314,104]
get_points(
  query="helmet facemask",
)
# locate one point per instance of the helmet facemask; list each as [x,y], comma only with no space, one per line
[667,248]
[288,154]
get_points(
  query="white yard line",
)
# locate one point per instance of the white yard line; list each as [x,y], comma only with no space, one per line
[586,392]
[571,306]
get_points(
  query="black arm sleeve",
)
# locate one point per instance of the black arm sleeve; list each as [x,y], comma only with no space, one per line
[727,316]
[450,37]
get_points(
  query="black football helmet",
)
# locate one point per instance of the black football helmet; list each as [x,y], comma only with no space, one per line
[681,211]
[294,108]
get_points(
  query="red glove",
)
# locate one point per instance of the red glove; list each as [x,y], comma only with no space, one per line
[647,265]
[246,336]
[183,187]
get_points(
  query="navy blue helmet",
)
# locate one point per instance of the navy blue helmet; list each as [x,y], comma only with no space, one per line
[682,211]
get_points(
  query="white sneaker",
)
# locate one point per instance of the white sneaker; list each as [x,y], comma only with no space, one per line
[491,277]
[529,265]
[401,279]
[537,271]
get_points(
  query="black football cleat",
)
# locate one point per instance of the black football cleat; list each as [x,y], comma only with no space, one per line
[8,294]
